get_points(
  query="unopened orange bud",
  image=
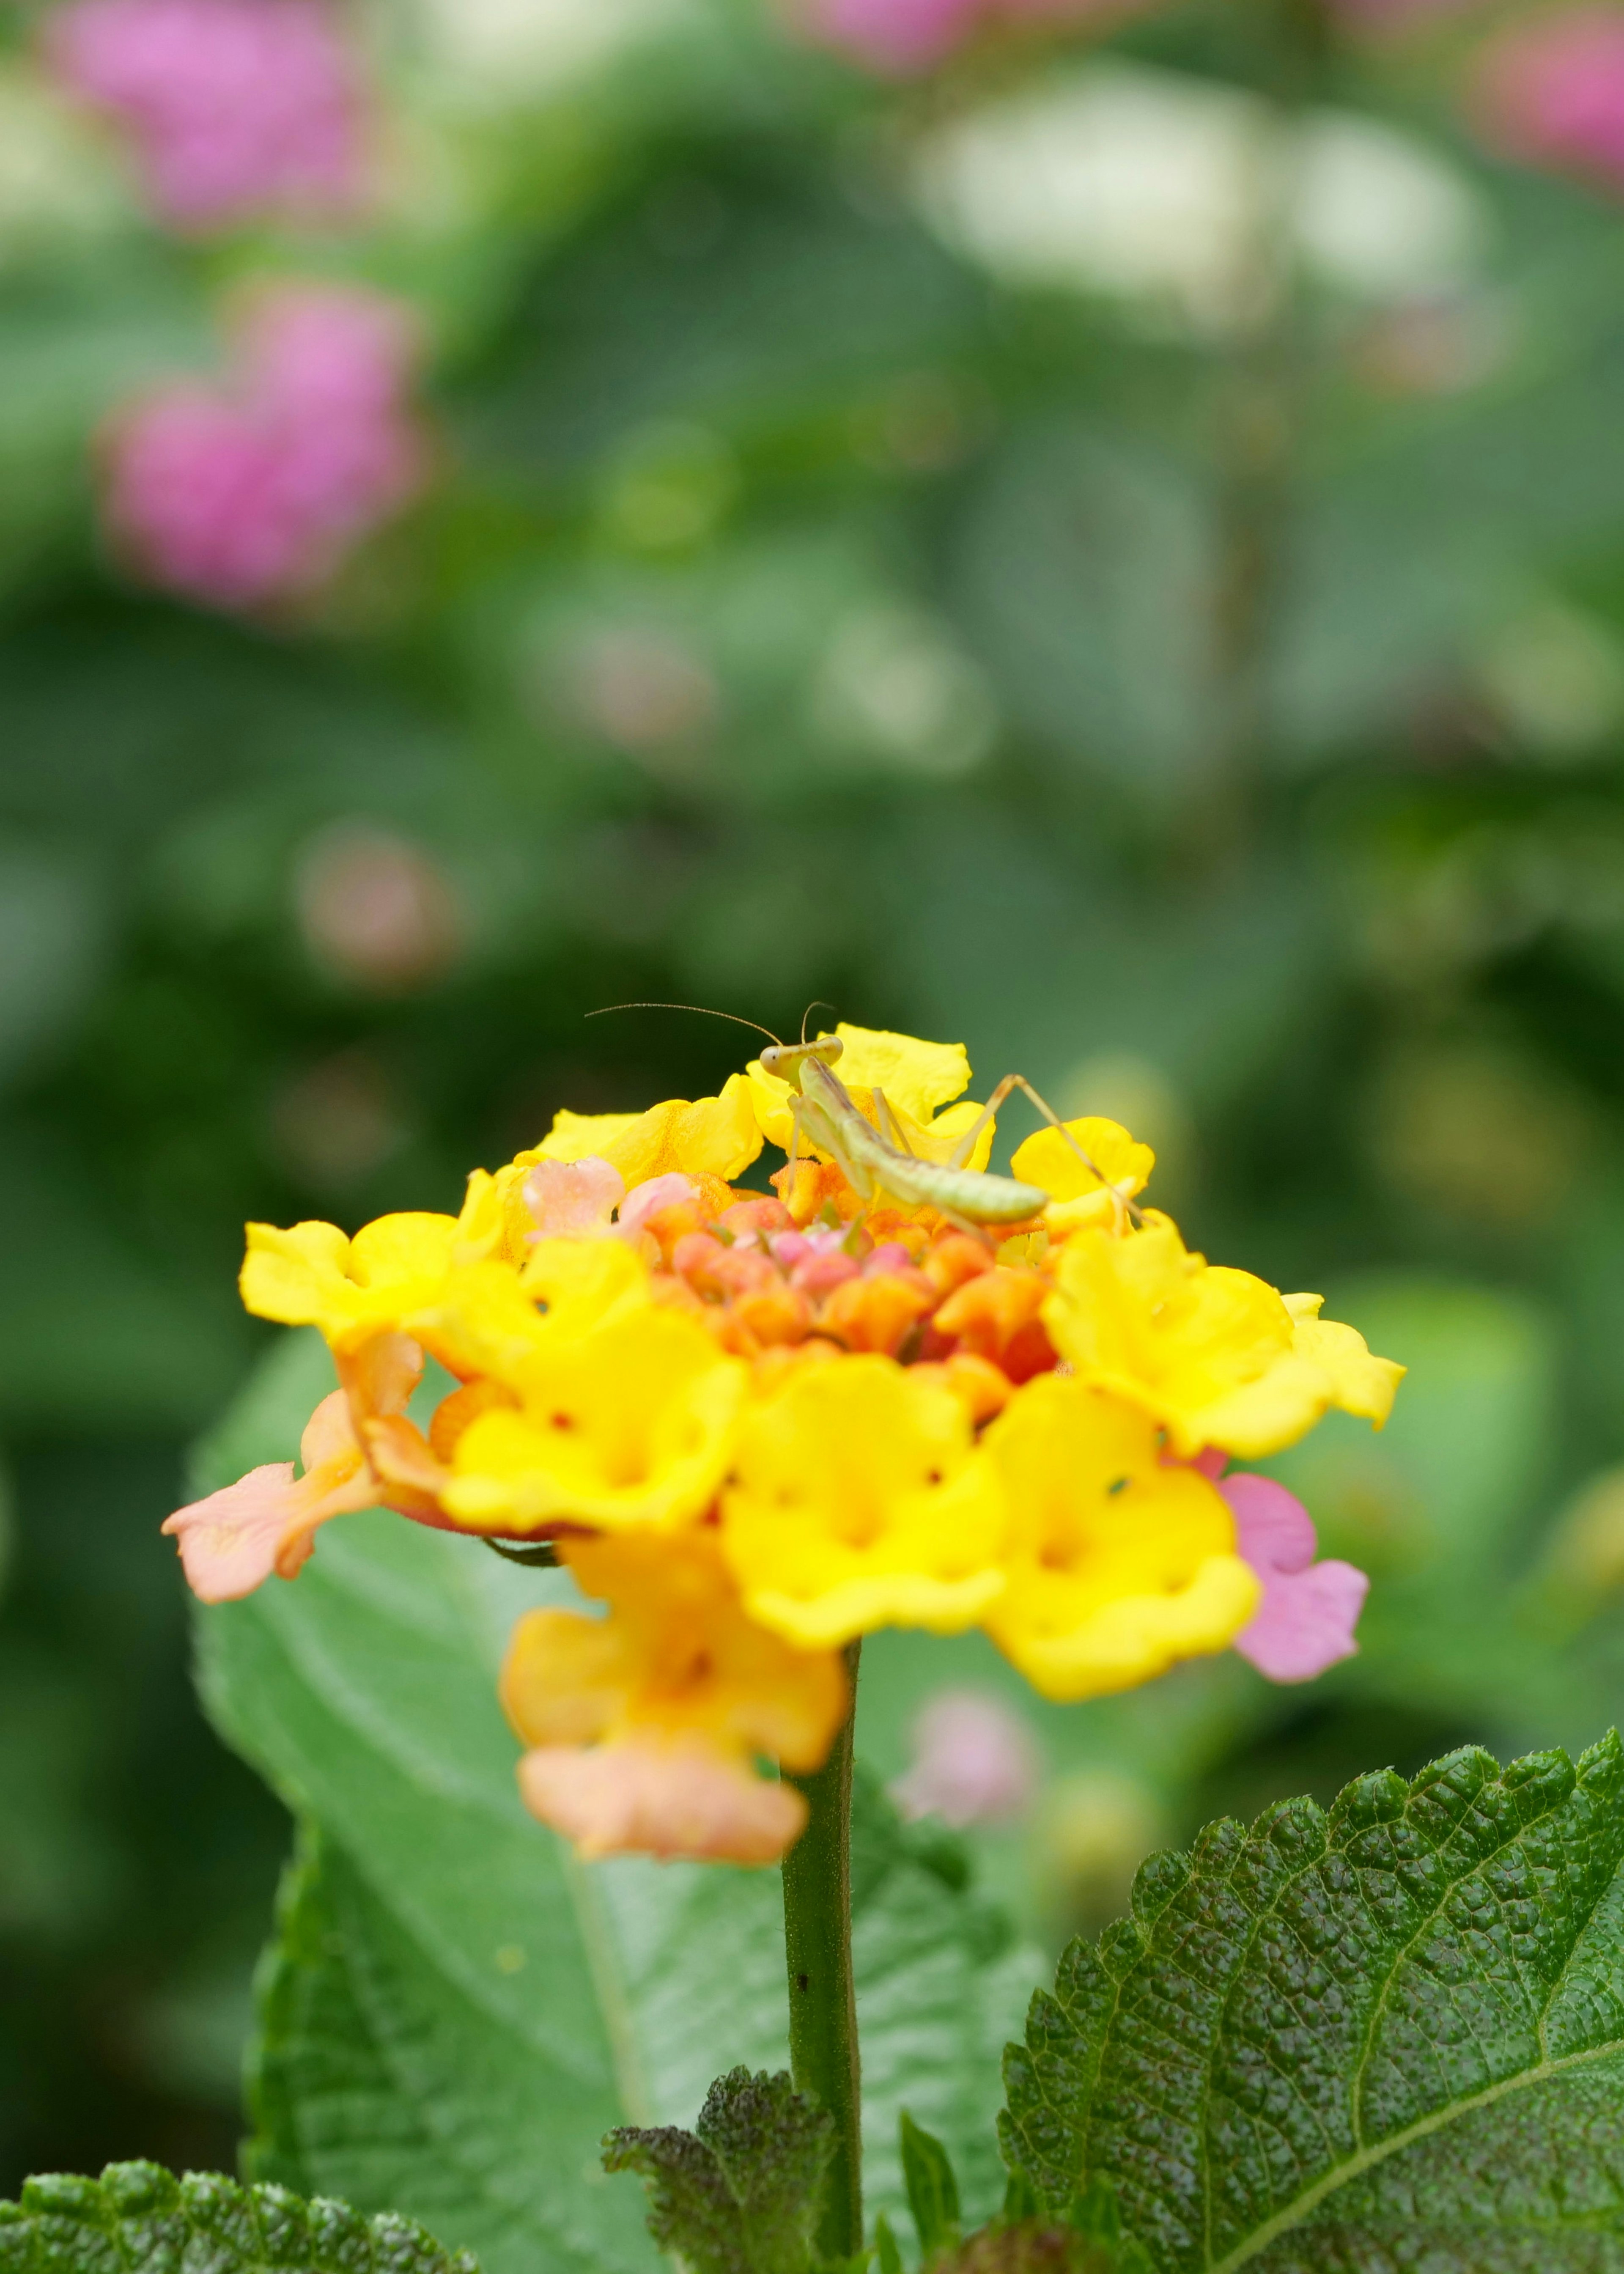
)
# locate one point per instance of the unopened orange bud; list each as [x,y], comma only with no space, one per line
[775,1313]
[982,1387]
[949,1261]
[996,1316]
[876,1313]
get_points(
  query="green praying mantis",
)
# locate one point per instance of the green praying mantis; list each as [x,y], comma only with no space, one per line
[874,1161]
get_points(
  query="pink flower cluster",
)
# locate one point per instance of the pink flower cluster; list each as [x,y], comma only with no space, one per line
[1551,92]
[248,493]
[236,106]
[900,37]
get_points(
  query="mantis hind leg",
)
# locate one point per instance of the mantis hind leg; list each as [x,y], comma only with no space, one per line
[1018,1082]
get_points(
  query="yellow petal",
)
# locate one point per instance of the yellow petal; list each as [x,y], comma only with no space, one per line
[629,1425]
[575,1136]
[858,1499]
[1364,1384]
[291,1276]
[400,1251]
[1212,1353]
[1047,1160]
[718,1136]
[1117,1564]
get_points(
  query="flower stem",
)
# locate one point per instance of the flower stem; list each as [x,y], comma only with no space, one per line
[823,2004]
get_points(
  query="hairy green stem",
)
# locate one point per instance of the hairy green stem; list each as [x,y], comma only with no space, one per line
[823,2002]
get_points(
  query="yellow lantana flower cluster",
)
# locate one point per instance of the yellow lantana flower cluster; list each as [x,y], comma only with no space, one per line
[758,1427]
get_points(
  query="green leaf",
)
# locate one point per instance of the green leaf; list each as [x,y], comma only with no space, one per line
[456,2011]
[933,2191]
[741,2194]
[1390,2036]
[138,2218]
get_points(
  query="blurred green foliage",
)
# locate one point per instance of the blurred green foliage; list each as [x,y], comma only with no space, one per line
[853,571]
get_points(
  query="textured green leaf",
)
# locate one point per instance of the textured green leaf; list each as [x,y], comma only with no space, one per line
[456,2011]
[1388,2036]
[933,2191]
[138,2218]
[743,2193]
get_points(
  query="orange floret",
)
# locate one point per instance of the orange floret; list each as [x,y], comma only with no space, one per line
[818,1185]
[775,1313]
[756,1212]
[876,1313]
[954,1258]
[984,1388]
[996,1316]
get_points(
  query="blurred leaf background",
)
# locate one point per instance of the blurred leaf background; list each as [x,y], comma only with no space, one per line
[1114,552]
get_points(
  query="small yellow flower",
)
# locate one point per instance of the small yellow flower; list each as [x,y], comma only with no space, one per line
[715,1136]
[917,1078]
[489,1318]
[1216,1356]
[1076,1195]
[858,1499]
[352,1289]
[628,1424]
[1118,1565]
[643,1726]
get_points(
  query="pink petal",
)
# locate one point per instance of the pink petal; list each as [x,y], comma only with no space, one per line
[648,1200]
[1309,1610]
[236,106]
[975,1761]
[574,1200]
[646,1798]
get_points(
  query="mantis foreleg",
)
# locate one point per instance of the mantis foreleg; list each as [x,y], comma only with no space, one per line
[887,1111]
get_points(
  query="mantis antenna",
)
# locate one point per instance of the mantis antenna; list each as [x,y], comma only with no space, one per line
[699,1009]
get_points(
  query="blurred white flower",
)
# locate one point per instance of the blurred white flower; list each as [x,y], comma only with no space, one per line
[975,1761]
[514,50]
[1381,213]
[57,177]
[893,685]
[1188,197]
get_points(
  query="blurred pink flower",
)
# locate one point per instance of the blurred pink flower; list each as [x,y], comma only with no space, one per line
[236,106]
[1309,1611]
[1551,92]
[974,1760]
[901,37]
[376,908]
[251,492]
[896,36]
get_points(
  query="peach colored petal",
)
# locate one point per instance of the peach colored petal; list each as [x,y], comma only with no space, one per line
[234,1539]
[573,1200]
[379,1376]
[666,1801]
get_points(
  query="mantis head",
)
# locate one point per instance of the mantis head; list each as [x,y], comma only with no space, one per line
[785,1059]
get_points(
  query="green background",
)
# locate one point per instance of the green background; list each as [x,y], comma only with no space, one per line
[810,603]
